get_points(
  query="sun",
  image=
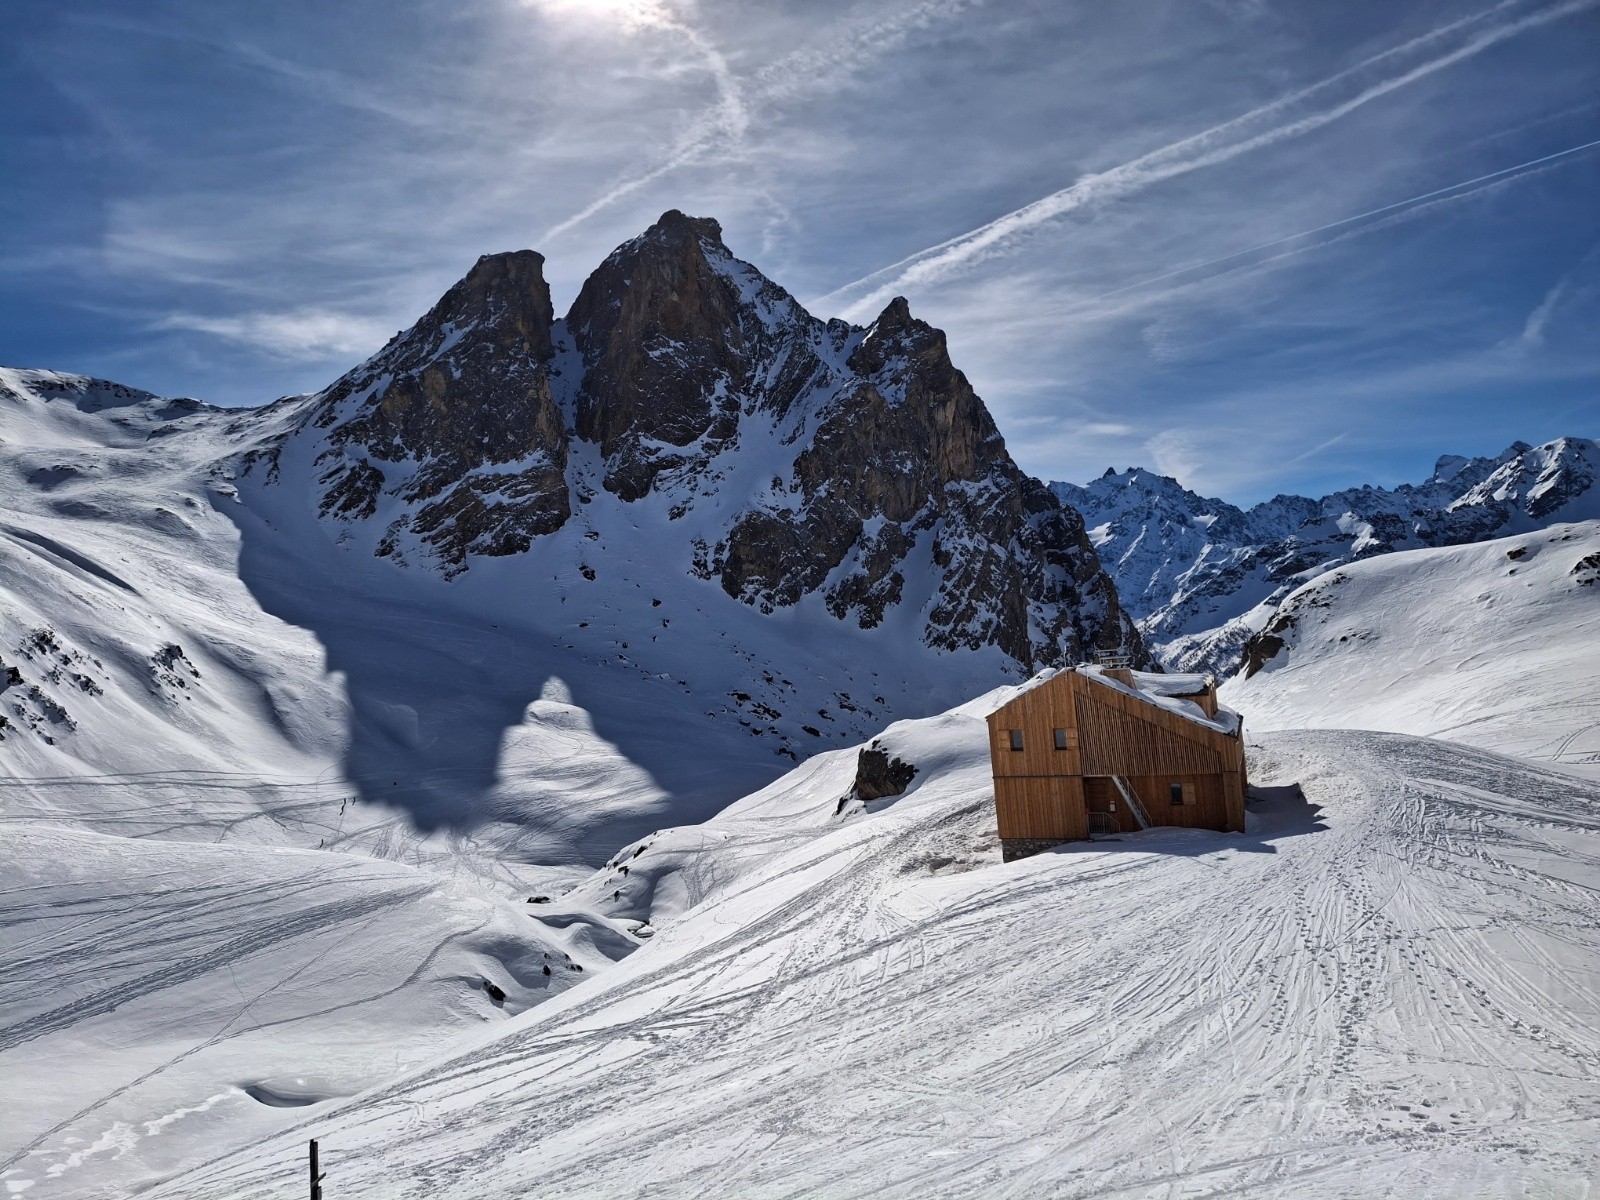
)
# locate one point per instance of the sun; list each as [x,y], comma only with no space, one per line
[630,14]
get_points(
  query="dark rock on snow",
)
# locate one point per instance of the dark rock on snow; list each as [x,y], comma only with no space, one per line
[878,775]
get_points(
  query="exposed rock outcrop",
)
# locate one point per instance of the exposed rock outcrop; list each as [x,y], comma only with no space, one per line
[879,775]
[456,420]
[819,459]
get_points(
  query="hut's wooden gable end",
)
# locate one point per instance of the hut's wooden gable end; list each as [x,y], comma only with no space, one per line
[1077,731]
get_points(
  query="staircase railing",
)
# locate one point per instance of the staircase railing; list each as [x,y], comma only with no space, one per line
[1132,800]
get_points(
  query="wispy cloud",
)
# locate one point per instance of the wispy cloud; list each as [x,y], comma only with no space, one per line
[725,123]
[298,334]
[1280,120]
[1572,284]
[1180,453]
[1454,191]
[721,131]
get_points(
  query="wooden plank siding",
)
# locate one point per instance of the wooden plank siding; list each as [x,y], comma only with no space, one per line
[1205,801]
[1117,741]
[1038,720]
[1049,808]
[1044,794]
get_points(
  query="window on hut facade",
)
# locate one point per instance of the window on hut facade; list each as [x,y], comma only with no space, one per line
[1177,795]
[1061,740]
[1016,739]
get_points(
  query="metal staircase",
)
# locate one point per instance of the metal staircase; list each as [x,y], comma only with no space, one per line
[1132,800]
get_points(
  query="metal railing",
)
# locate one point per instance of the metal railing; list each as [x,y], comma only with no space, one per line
[1132,800]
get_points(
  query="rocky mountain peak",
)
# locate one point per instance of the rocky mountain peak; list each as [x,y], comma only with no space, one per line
[665,335]
[674,225]
[816,459]
[503,299]
[1537,482]
[435,416]
[896,314]
[896,337]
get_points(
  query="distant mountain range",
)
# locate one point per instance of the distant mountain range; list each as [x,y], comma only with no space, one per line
[1201,575]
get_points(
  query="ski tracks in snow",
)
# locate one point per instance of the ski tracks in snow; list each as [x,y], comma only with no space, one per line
[1391,993]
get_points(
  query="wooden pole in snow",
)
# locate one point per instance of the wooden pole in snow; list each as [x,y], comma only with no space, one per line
[316,1175]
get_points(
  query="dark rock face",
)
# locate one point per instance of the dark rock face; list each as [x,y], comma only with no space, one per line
[1586,570]
[685,369]
[906,455]
[461,394]
[679,339]
[664,353]
[878,775]
[1264,646]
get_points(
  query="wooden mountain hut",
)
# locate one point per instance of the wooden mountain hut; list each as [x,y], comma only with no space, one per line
[1093,750]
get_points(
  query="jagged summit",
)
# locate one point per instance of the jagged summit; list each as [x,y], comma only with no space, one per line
[433,419]
[505,293]
[895,313]
[676,224]
[788,457]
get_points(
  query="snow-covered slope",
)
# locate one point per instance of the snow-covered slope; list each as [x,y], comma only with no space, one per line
[1191,569]
[1496,644]
[1385,987]
[160,996]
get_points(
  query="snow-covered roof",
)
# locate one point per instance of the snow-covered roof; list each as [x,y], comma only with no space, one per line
[1164,691]
[1168,692]
[1171,685]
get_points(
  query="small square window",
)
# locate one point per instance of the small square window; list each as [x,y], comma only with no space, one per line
[1062,743]
[1176,791]
[1016,739]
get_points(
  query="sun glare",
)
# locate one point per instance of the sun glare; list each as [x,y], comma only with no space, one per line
[630,14]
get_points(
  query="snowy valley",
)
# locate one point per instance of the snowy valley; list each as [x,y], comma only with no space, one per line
[459,765]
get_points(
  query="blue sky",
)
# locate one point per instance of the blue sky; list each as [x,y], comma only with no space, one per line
[1263,246]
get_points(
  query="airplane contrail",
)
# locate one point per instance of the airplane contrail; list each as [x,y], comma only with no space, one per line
[728,119]
[1210,147]
[1371,212]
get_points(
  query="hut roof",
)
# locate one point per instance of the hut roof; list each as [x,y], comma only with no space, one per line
[1164,691]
